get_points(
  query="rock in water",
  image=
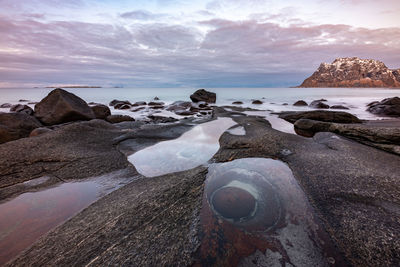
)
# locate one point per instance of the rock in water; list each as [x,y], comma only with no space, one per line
[61,106]
[319,115]
[22,109]
[353,72]
[101,111]
[318,104]
[300,103]
[16,125]
[257,102]
[203,95]
[387,107]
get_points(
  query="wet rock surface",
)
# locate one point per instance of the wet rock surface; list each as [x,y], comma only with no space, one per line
[101,111]
[119,118]
[319,104]
[61,106]
[22,108]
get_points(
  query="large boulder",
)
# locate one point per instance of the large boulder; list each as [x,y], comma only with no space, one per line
[319,115]
[61,106]
[22,108]
[386,107]
[203,95]
[16,125]
[300,103]
[101,111]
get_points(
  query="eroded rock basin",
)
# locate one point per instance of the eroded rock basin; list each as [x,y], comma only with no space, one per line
[28,216]
[192,149]
[255,214]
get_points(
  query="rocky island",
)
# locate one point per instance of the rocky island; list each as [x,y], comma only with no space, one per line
[354,72]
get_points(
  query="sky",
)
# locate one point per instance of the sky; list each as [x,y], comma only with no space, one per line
[176,43]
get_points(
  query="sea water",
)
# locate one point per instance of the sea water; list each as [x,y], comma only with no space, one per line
[274,98]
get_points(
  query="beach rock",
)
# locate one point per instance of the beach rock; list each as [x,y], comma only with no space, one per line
[319,115]
[161,119]
[300,103]
[203,95]
[22,109]
[185,113]
[61,106]
[155,103]
[285,104]
[156,98]
[353,72]
[138,109]
[101,111]
[40,131]
[338,107]
[257,102]
[157,107]
[6,105]
[318,104]
[122,106]
[237,103]
[119,118]
[115,101]
[139,103]
[23,100]
[385,137]
[387,107]
[14,126]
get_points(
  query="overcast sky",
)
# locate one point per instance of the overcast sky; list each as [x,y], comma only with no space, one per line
[173,43]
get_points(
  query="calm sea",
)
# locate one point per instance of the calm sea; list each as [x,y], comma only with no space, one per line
[273,98]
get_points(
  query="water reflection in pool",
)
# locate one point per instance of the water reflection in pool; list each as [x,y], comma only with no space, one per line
[30,215]
[255,214]
[192,149]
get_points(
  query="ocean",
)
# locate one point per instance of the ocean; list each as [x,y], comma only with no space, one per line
[274,98]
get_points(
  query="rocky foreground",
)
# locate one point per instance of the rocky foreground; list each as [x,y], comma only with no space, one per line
[354,72]
[354,190]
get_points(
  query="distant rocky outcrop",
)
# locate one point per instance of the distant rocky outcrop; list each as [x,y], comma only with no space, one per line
[353,72]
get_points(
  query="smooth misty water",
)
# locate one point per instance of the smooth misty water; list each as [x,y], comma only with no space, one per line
[355,98]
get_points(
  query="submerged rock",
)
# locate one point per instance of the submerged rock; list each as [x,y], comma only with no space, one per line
[139,103]
[6,105]
[338,107]
[122,106]
[14,126]
[115,101]
[237,103]
[161,119]
[387,107]
[257,102]
[203,95]
[61,106]
[319,115]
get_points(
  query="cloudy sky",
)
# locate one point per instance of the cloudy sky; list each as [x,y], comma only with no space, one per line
[176,43]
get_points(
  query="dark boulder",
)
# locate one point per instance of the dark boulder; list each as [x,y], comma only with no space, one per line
[61,106]
[203,95]
[156,98]
[319,104]
[6,105]
[23,100]
[16,125]
[115,101]
[40,131]
[319,115]
[119,118]
[237,103]
[300,103]
[339,107]
[387,107]
[101,111]
[257,102]
[22,109]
